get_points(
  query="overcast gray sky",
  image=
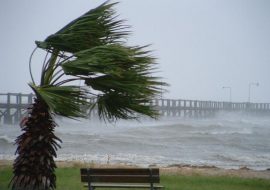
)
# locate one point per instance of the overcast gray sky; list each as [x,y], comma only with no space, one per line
[201,45]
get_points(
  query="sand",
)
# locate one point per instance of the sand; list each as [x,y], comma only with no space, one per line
[186,170]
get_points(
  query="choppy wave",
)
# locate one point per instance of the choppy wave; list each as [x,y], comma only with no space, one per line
[226,141]
[225,132]
[6,139]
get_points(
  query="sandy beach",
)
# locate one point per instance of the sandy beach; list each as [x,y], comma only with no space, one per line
[187,170]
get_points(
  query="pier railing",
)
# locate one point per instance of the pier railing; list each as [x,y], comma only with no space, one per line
[13,106]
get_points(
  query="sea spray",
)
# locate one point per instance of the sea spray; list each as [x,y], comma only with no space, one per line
[225,141]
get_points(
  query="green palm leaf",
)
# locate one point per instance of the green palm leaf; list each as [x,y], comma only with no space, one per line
[67,101]
[109,59]
[96,27]
[113,67]
[115,105]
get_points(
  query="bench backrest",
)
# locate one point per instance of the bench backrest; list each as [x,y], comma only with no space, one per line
[123,175]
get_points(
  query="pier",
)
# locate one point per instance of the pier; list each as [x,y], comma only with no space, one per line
[13,106]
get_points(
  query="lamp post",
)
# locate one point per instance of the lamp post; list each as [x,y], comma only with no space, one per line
[228,87]
[249,88]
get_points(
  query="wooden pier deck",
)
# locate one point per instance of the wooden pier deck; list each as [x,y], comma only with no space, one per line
[13,106]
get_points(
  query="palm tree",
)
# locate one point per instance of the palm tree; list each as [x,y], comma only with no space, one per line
[91,49]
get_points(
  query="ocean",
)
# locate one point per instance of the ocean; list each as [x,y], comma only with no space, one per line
[226,141]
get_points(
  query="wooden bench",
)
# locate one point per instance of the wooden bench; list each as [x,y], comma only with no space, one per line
[147,178]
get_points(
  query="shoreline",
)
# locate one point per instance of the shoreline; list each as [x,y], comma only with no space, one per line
[175,169]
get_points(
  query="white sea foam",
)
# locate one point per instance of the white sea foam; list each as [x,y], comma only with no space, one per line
[226,141]
[6,139]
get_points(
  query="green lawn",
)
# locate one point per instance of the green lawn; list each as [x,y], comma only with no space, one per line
[69,179]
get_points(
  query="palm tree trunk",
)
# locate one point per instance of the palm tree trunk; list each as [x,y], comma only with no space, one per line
[36,148]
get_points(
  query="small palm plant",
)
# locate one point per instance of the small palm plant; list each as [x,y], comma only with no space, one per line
[91,49]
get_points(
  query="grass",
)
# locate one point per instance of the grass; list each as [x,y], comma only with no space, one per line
[213,183]
[69,179]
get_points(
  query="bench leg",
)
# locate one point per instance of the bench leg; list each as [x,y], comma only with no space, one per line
[91,188]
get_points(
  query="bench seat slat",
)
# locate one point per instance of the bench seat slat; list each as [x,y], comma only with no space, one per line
[121,178]
[120,171]
[123,185]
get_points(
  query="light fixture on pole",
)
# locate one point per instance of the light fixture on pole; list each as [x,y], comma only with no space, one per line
[249,87]
[228,87]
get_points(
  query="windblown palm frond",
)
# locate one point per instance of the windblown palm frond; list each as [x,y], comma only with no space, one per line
[115,105]
[109,59]
[96,27]
[123,72]
[67,101]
